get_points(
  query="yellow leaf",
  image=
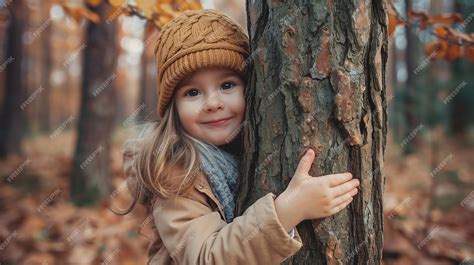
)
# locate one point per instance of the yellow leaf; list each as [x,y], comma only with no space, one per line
[167,9]
[195,5]
[148,7]
[78,12]
[189,6]
[160,21]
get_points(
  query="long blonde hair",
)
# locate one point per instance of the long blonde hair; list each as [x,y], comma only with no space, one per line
[167,163]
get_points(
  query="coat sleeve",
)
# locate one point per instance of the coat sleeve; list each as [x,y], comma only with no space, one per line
[194,234]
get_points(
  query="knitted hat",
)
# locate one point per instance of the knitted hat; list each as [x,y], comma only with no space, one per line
[193,40]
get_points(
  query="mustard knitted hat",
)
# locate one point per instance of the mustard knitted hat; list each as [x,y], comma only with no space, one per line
[193,40]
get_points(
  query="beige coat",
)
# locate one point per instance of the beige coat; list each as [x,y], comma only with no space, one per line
[191,229]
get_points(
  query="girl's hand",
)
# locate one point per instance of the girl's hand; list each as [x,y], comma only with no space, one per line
[308,197]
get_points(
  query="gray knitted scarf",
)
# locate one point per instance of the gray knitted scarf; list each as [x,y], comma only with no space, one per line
[221,169]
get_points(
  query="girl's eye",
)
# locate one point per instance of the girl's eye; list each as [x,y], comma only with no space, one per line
[228,85]
[192,92]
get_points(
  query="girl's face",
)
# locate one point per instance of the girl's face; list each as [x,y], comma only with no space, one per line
[211,95]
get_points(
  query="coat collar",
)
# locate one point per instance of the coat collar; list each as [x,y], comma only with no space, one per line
[202,185]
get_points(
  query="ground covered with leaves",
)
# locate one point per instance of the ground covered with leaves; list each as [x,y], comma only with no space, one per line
[428,208]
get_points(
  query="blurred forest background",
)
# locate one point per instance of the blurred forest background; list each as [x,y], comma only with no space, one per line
[77,76]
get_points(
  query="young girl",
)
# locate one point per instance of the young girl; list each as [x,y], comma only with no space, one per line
[185,167]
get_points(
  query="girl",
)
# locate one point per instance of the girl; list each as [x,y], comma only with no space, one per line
[185,168]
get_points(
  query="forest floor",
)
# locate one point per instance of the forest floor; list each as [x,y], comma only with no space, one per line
[429,203]
[428,208]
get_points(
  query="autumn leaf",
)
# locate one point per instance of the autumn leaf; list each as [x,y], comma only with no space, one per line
[454,51]
[436,49]
[469,53]
[148,7]
[441,31]
[79,12]
[188,5]
[162,20]
[421,16]
[168,10]
[393,21]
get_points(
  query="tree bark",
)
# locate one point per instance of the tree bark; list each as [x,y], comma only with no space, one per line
[12,119]
[90,179]
[318,81]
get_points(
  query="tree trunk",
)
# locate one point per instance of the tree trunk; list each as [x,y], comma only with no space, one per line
[46,63]
[318,81]
[90,179]
[148,97]
[410,94]
[461,106]
[13,116]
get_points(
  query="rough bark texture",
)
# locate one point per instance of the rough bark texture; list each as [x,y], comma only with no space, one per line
[90,179]
[318,80]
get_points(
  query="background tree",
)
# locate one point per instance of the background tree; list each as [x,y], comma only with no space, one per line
[409,91]
[12,116]
[45,64]
[148,95]
[90,178]
[318,82]
[460,115]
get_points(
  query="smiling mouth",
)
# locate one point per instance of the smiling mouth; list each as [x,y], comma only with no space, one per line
[217,122]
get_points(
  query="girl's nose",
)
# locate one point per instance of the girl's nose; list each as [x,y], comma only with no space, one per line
[213,102]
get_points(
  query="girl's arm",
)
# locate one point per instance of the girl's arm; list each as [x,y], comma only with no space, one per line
[195,234]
